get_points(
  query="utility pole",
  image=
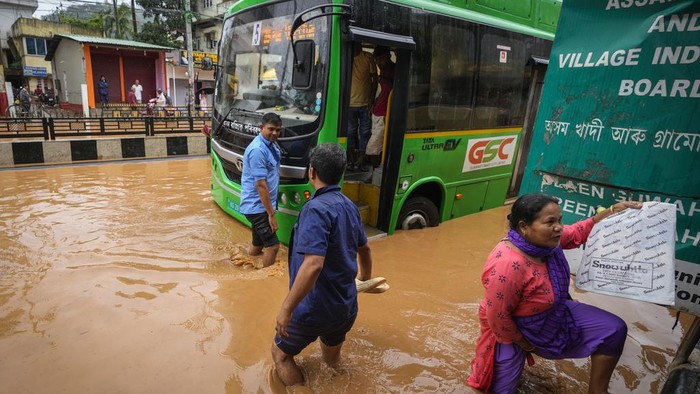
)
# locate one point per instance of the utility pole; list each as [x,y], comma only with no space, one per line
[190,64]
[116,22]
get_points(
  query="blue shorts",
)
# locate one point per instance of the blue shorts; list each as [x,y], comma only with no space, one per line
[300,335]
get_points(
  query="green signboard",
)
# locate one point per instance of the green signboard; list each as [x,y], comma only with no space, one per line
[619,117]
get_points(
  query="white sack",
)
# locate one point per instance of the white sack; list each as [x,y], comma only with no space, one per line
[631,255]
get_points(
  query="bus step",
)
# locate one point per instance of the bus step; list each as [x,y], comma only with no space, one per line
[374,233]
[364,212]
[351,189]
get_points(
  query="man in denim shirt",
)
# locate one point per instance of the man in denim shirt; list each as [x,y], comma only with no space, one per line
[259,184]
[326,242]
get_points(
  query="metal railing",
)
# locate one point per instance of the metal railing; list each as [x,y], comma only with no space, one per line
[55,128]
[121,110]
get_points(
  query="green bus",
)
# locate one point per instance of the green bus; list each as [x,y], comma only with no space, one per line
[466,88]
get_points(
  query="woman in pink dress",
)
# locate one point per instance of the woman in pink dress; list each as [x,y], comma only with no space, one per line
[527,307]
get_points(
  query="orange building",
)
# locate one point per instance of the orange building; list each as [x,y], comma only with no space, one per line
[81,60]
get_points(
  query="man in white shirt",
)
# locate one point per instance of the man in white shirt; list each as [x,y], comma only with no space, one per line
[137,88]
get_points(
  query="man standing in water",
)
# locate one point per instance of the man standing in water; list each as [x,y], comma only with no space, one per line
[259,184]
[325,245]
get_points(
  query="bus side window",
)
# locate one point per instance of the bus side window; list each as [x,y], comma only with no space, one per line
[452,75]
[501,94]
[442,75]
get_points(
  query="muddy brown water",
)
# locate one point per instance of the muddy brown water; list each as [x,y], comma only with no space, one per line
[127,278]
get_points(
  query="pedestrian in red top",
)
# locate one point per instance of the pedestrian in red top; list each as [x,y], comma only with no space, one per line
[131,98]
[527,307]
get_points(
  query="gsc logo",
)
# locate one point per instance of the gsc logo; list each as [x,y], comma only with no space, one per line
[489,152]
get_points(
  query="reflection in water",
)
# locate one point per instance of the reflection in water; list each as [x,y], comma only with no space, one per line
[126,277]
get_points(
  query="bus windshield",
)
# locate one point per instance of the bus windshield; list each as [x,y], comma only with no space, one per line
[255,74]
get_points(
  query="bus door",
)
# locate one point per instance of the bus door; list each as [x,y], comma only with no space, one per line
[537,67]
[374,188]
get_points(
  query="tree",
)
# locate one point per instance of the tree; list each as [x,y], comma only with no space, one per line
[123,19]
[96,16]
[168,24]
[95,22]
[157,34]
[83,15]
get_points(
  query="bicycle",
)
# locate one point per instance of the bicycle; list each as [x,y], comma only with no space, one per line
[48,111]
[17,111]
[36,109]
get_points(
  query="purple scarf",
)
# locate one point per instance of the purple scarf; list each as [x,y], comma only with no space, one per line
[553,330]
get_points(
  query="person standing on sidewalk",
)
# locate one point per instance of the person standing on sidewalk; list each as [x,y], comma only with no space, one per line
[326,245]
[103,89]
[25,98]
[131,98]
[259,186]
[138,90]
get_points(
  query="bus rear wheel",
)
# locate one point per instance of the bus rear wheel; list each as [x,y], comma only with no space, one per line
[418,212]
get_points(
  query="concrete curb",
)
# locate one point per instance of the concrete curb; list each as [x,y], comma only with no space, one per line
[21,153]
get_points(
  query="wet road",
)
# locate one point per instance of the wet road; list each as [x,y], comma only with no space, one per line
[126,278]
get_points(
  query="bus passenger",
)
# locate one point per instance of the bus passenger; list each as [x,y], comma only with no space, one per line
[259,186]
[326,245]
[362,91]
[382,55]
[527,307]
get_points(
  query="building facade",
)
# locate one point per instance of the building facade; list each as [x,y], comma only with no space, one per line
[27,42]
[210,15]
[10,11]
[82,60]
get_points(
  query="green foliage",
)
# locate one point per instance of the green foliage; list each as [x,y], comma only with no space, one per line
[94,22]
[123,20]
[156,34]
[97,16]
[168,26]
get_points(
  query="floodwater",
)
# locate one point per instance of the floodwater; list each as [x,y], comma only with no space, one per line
[127,278]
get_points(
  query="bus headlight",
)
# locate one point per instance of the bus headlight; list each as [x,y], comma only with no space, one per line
[297,198]
[283,198]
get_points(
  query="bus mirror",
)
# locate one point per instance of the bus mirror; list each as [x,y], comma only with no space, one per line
[304,56]
[207,63]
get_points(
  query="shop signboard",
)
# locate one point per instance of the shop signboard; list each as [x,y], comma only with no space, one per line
[30,71]
[198,56]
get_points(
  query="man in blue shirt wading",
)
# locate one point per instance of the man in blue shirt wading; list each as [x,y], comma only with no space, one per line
[259,184]
[325,244]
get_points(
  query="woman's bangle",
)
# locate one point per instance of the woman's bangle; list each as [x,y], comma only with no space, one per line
[611,209]
[530,349]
